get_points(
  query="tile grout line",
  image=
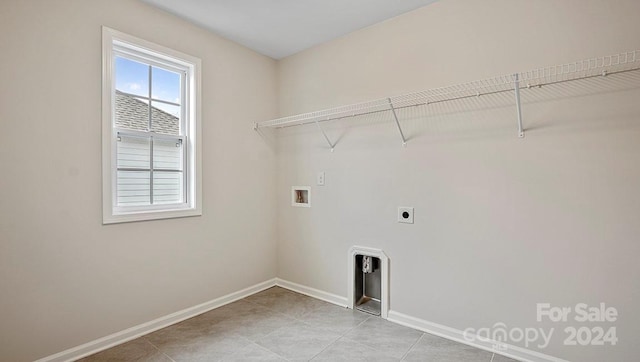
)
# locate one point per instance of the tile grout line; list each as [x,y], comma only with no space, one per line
[308,310]
[157,349]
[369,347]
[267,349]
[366,345]
[305,320]
[304,296]
[257,345]
[270,350]
[295,319]
[329,345]
[413,345]
[286,315]
[275,330]
[339,338]
[322,350]
[359,324]
[341,335]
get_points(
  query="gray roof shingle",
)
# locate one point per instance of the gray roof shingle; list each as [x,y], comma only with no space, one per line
[132,113]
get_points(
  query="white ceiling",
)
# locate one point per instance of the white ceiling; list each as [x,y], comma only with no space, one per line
[278,28]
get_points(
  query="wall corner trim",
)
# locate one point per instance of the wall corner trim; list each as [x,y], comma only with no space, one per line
[519,353]
[134,332]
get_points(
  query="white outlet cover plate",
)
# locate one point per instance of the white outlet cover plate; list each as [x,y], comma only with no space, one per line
[401,218]
[320,180]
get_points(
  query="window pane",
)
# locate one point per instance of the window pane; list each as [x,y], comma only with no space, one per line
[165,118]
[133,152]
[132,77]
[131,112]
[165,85]
[133,188]
[167,154]
[167,187]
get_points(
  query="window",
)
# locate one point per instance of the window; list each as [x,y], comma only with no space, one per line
[150,126]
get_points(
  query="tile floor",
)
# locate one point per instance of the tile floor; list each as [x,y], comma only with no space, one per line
[280,325]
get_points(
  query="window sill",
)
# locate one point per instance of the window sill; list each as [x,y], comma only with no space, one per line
[150,215]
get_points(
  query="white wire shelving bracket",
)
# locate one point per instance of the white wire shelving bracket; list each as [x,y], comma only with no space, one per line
[584,69]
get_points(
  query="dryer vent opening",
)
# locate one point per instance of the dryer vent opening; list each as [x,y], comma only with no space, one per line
[368,281]
[367,284]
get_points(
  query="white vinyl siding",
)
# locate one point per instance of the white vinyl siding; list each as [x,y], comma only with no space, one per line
[160,160]
[134,176]
[133,188]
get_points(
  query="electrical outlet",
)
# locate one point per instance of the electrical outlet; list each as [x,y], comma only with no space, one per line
[405,215]
[320,179]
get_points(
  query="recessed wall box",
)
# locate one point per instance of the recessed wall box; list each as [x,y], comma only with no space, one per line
[301,196]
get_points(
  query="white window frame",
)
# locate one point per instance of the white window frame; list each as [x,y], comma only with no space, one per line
[114,42]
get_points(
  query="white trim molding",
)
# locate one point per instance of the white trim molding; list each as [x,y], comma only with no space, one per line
[312,292]
[129,334]
[384,270]
[511,351]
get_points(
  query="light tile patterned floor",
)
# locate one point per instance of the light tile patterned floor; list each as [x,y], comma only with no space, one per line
[280,325]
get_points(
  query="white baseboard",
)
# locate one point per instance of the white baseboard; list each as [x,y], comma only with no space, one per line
[515,352]
[148,327]
[126,335]
[312,292]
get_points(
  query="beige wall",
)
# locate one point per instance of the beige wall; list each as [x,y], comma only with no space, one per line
[500,223]
[66,279]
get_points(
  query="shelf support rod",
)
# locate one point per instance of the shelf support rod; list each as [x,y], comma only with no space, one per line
[395,117]
[325,136]
[516,83]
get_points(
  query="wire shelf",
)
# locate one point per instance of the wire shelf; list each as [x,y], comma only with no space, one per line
[511,83]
